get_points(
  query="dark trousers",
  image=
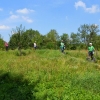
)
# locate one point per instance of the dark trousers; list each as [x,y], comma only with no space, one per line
[91,54]
[6,48]
[62,49]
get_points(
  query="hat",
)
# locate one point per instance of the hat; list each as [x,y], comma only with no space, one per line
[90,43]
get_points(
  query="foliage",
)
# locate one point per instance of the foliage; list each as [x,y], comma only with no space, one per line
[52,36]
[24,39]
[32,36]
[89,33]
[14,87]
[48,75]
[23,52]
[1,44]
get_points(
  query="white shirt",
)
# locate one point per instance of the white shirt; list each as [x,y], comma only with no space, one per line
[34,44]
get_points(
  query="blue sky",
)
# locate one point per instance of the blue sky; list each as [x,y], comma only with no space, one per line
[65,16]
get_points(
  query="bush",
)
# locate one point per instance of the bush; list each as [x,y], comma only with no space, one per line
[23,52]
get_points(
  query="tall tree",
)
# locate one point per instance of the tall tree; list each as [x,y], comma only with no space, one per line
[18,31]
[93,29]
[83,31]
[13,43]
[75,40]
[52,37]
[33,35]
[88,33]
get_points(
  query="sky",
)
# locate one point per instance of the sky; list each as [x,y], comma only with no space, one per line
[64,16]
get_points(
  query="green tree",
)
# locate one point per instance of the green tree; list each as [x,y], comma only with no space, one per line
[33,35]
[52,35]
[75,40]
[88,33]
[51,39]
[13,43]
[1,43]
[15,39]
[93,29]
[83,31]
[97,43]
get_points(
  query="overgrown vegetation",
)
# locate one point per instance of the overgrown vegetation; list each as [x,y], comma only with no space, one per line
[48,75]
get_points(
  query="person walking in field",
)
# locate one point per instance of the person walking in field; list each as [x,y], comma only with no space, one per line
[62,46]
[91,50]
[35,46]
[6,46]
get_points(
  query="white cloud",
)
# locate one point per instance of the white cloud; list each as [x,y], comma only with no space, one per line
[14,16]
[19,17]
[80,4]
[3,27]
[92,9]
[24,11]
[27,19]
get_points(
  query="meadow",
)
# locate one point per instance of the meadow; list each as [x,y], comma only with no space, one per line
[48,75]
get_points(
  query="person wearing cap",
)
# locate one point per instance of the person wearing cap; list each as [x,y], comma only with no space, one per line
[35,46]
[91,51]
[62,46]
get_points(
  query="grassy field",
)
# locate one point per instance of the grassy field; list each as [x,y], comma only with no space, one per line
[48,75]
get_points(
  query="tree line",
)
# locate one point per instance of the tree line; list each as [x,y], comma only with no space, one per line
[24,39]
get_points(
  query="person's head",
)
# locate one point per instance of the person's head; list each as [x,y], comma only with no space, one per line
[90,44]
[61,40]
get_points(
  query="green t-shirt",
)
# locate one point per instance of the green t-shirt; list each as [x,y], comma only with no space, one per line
[91,48]
[62,44]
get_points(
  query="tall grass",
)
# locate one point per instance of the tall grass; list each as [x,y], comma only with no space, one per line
[51,75]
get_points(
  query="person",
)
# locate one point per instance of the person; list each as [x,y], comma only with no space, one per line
[91,50]
[62,46]
[6,46]
[35,46]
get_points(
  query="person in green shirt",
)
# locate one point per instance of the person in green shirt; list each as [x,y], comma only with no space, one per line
[62,46]
[91,50]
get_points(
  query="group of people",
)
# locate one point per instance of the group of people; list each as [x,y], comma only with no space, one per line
[7,45]
[91,50]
